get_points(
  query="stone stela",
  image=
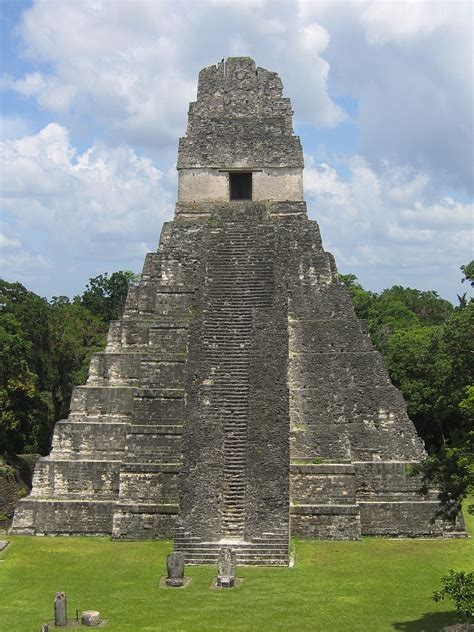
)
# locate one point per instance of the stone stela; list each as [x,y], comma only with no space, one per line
[175,569]
[226,568]
[239,400]
[60,609]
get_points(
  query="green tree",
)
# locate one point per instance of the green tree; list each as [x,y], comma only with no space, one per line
[32,314]
[458,586]
[433,366]
[75,334]
[419,369]
[105,296]
[450,470]
[23,408]
[361,299]
[468,273]
[428,306]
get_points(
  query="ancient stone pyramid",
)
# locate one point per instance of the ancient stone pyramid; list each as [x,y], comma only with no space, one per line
[239,398]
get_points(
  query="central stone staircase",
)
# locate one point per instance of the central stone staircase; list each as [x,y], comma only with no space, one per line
[239,279]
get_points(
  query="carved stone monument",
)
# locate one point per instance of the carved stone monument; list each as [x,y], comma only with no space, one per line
[239,398]
[175,569]
[60,609]
[226,568]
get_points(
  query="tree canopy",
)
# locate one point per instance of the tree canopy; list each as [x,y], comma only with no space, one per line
[45,349]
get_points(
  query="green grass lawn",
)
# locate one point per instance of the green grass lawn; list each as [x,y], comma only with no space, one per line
[370,585]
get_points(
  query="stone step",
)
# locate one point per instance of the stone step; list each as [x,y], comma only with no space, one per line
[240,552]
[233,517]
[205,547]
[243,562]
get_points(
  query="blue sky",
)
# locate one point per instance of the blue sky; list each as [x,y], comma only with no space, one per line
[95,95]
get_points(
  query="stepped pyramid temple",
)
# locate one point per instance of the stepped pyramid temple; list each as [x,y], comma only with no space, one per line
[239,399]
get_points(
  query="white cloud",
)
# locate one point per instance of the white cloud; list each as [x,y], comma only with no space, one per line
[400,22]
[10,243]
[125,72]
[12,126]
[23,266]
[101,204]
[132,66]
[445,213]
[389,220]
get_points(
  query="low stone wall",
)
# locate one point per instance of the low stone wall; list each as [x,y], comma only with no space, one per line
[133,521]
[333,483]
[327,522]
[401,518]
[63,517]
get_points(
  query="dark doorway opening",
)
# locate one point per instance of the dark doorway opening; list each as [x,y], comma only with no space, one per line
[240,186]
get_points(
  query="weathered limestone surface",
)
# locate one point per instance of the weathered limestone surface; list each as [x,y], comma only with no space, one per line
[226,568]
[175,569]
[239,392]
[90,617]
[60,609]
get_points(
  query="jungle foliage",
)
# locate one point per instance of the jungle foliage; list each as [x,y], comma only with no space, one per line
[45,349]
[428,346]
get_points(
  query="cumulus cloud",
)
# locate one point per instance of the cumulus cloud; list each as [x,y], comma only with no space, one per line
[8,243]
[17,262]
[390,221]
[133,66]
[101,205]
[124,72]
[408,67]
[401,22]
[12,126]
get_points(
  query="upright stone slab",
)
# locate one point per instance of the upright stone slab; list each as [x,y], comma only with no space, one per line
[226,568]
[175,569]
[60,609]
[239,391]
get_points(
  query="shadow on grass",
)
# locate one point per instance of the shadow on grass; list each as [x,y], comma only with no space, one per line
[430,622]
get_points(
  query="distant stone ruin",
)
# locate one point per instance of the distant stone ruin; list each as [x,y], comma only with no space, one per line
[239,399]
